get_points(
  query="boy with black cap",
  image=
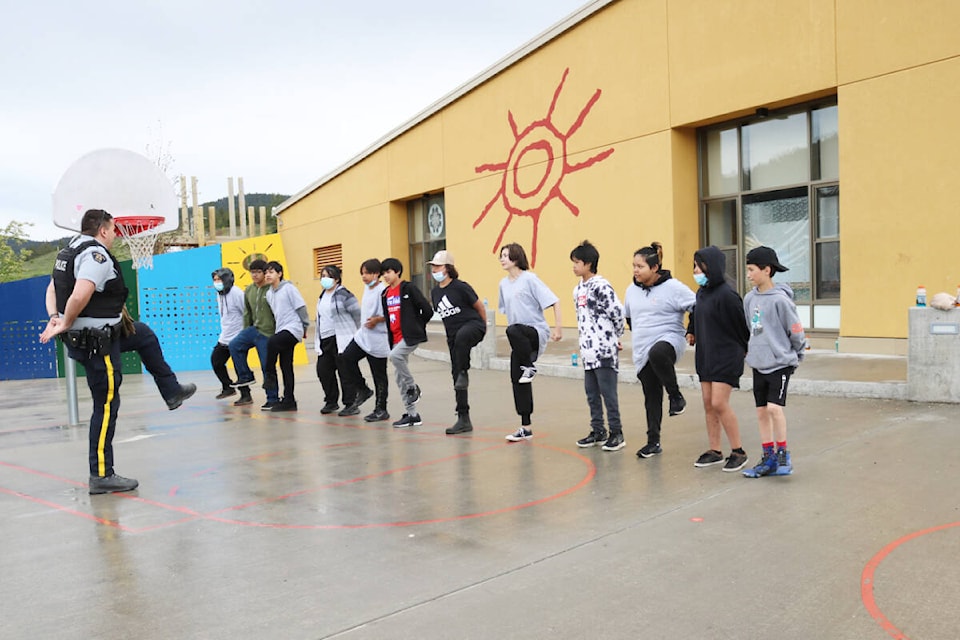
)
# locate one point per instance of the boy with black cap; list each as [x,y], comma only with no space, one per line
[776,346]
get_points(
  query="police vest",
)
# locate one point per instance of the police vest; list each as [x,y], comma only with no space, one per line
[103,304]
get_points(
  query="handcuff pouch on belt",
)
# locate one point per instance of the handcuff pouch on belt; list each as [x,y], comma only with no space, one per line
[93,341]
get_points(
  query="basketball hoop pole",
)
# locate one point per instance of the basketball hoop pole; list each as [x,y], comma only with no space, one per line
[73,411]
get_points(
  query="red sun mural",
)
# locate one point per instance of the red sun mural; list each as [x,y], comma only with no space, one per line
[540,137]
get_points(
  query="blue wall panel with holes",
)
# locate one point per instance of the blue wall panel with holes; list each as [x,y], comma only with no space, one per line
[23,316]
[178,301]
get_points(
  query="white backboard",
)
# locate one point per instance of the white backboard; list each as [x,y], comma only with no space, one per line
[120,182]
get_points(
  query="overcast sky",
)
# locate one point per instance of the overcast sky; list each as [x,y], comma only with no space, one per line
[279,92]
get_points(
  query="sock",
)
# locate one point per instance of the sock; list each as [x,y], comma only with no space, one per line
[781,445]
[767,448]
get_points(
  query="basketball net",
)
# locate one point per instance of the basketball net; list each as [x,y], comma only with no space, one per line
[140,233]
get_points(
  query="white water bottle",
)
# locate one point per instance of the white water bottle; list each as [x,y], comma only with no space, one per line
[921,296]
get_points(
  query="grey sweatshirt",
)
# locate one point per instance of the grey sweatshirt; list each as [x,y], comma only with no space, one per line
[777,339]
[289,309]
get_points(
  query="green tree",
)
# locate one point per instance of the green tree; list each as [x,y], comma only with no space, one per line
[13,255]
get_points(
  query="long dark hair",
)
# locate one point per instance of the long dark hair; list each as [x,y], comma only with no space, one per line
[517,255]
[652,254]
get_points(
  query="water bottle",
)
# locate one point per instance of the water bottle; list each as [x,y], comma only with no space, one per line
[921,296]
[573,359]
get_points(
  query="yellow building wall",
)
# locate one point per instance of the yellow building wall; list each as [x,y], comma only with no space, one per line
[663,68]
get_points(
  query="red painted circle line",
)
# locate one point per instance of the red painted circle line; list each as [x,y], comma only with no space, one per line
[867,579]
[541,138]
[591,472]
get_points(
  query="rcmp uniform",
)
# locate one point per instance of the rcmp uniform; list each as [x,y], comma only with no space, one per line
[93,339]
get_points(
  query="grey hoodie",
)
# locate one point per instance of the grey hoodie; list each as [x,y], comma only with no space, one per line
[777,339]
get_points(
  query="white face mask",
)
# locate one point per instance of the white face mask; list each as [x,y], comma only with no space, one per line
[439,276]
[327,282]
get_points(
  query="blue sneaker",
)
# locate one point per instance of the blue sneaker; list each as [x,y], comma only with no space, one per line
[784,463]
[766,467]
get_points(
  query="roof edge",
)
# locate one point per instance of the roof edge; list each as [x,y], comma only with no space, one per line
[507,61]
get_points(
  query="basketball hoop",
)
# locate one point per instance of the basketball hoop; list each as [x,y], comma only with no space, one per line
[140,233]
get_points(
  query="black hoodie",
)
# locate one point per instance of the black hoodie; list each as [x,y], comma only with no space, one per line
[718,323]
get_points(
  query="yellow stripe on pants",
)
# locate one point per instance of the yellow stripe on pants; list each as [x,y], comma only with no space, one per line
[105,424]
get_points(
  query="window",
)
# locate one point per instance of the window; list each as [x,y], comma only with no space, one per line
[427,233]
[324,256]
[774,180]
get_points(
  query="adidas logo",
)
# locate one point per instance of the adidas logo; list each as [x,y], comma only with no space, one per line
[445,309]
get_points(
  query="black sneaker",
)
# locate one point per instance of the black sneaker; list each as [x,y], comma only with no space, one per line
[520,435]
[413,395]
[615,442]
[527,374]
[462,425]
[709,458]
[244,383]
[269,405]
[330,407]
[736,461]
[363,395]
[111,484]
[226,393]
[677,404]
[186,390]
[243,401]
[408,421]
[378,415]
[593,439]
[463,381]
[351,410]
[284,405]
[649,450]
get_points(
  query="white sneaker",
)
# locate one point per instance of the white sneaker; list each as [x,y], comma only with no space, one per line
[520,434]
[527,374]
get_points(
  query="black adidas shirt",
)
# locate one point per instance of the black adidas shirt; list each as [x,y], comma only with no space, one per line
[454,304]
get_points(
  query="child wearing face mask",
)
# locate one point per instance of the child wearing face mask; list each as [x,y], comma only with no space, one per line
[370,342]
[230,306]
[718,330]
[465,320]
[338,318]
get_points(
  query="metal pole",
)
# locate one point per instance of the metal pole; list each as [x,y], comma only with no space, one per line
[70,368]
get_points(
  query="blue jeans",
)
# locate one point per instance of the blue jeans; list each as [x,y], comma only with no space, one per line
[239,346]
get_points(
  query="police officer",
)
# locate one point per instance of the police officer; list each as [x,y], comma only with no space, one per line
[88,294]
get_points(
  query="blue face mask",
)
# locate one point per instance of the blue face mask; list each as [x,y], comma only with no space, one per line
[218,286]
[700,279]
[327,282]
[439,276]
[373,283]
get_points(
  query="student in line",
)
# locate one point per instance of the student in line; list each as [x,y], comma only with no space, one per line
[655,305]
[717,329]
[290,312]
[230,308]
[776,347]
[600,323]
[370,342]
[407,312]
[465,320]
[523,298]
[258,327]
[338,318]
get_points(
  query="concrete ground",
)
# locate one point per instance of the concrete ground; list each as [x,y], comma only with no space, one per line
[299,525]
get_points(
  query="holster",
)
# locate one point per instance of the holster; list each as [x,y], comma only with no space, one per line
[92,341]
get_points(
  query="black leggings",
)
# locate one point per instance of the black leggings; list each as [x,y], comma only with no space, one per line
[524,351]
[280,346]
[352,377]
[658,374]
[468,336]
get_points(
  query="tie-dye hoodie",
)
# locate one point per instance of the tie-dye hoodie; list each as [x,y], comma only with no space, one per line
[600,322]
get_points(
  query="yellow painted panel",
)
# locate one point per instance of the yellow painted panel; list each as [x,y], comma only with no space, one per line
[875,37]
[731,56]
[237,256]
[415,161]
[898,199]
[362,186]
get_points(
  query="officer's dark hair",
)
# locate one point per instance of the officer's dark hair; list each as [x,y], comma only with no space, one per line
[517,255]
[332,271]
[371,266]
[258,265]
[275,266]
[587,254]
[392,264]
[93,220]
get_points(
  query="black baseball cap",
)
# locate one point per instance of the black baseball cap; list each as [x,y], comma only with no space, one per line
[765,257]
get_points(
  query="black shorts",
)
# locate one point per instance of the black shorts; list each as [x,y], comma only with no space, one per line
[771,388]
